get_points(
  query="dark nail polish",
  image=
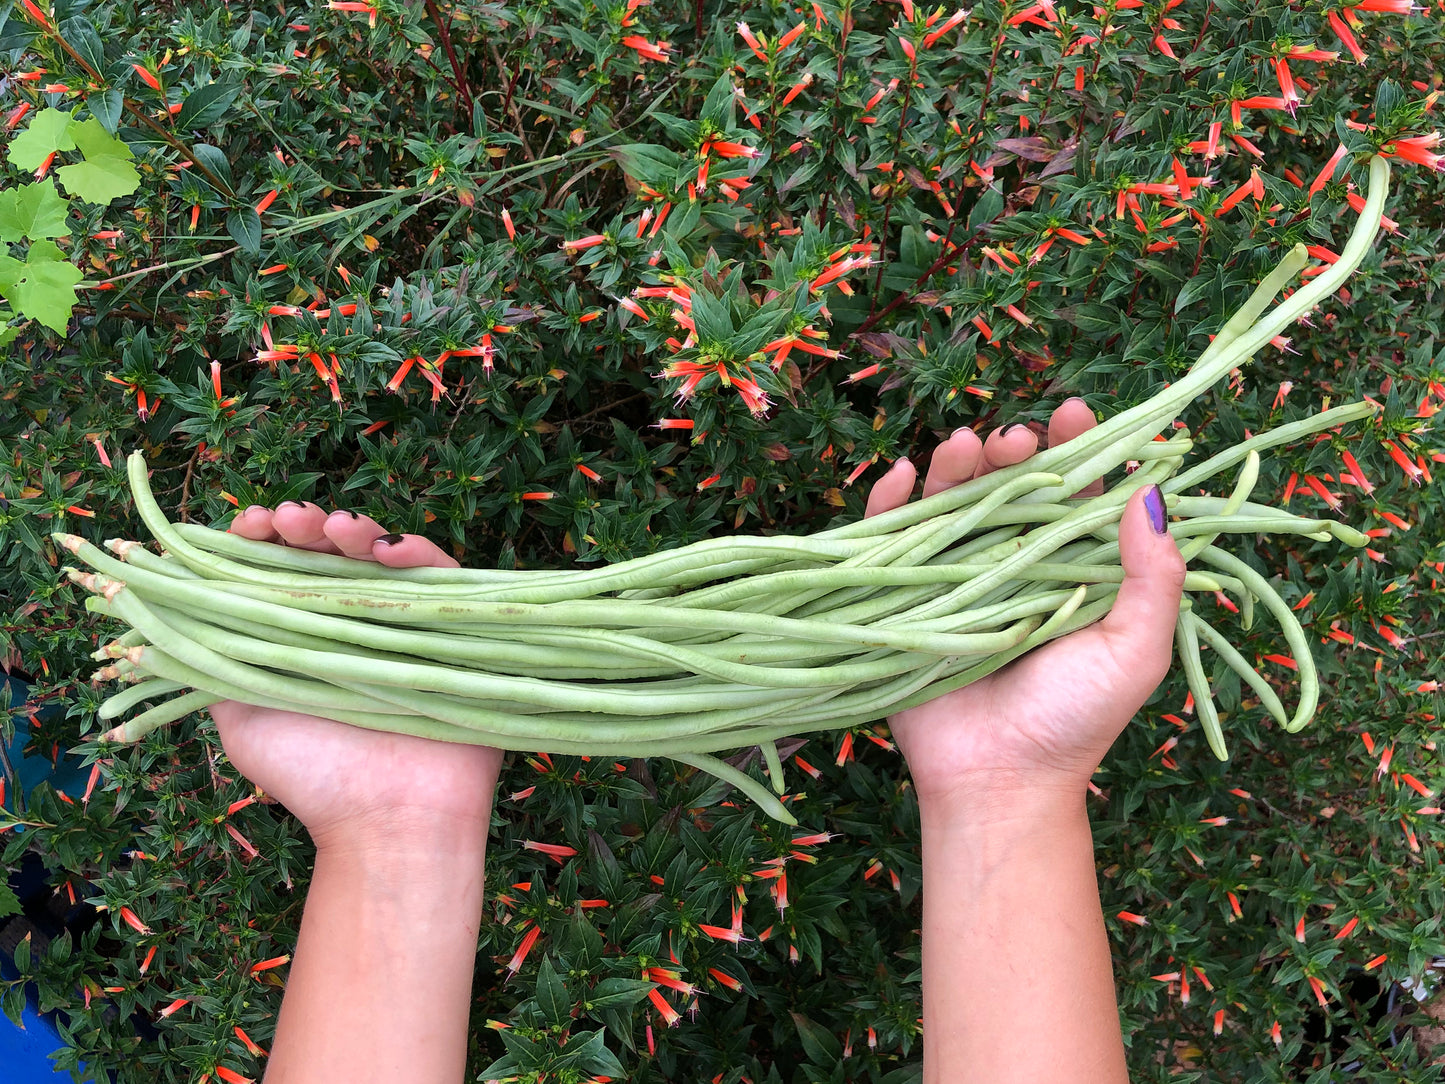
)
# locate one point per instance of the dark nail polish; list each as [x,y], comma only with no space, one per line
[1154,505]
[1006,430]
[288,504]
[390,539]
[350,513]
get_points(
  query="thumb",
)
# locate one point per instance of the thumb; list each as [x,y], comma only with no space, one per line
[1140,625]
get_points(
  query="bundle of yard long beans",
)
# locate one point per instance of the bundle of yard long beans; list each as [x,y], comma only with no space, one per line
[731,642]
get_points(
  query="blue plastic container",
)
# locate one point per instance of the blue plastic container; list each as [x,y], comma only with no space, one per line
[25,1051]
[67,775]
[25,1054]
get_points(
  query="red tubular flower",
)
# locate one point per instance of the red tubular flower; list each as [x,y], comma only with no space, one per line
[518,957]
[797,88]
[133,921]
[551,850]
[584,242]
[36,14]
[728,149]
[791,36]
[369,10]
[752,42]
[1262,102]
[1286,83]
[1357,204]
[669,1015]
[1413,472]
[1234,198]
[952,21]
[1346,36]
[1328,172]
[1417,149]
[148,77]
[719,933]
[671,979]
[645,49]
[400,374]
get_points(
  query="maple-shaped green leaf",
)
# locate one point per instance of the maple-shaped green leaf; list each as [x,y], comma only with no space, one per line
[34,211]
[42,288]
[107,172]
[49,131]
[11,271]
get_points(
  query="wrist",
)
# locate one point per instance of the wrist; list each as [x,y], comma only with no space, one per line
[1000,797]
[405,838]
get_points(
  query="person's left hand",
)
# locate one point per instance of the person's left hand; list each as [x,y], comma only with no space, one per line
[1045,720]
[343,781]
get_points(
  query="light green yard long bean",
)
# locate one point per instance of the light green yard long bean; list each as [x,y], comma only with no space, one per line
[728,642]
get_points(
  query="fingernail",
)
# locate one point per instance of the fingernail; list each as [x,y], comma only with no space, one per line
[1154,505]
[348,511]
[1076,399]
[285,504]
[956,432]
[390,539]
[1006,430]
[901,461]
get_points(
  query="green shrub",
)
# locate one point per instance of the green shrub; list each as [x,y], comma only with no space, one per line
[426,261]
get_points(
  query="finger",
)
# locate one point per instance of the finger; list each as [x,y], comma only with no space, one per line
[1072,418]
[956,460]
[411,551]
[1140,626]
[353,534]
[1004,447]
[303,526]
[893,489]
[254,523]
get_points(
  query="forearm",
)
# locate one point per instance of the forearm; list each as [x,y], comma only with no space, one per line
[1017,980]
[380,987]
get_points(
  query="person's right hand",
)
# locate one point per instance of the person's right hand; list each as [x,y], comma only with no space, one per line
[1046,720]
[344,782]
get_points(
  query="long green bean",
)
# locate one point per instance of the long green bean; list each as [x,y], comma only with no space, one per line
[724,643]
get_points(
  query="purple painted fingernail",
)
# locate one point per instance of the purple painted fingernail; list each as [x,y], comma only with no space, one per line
[390,539]
[1154,505]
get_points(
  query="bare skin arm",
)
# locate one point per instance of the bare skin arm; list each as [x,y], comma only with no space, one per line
[379,988]
[1012,926]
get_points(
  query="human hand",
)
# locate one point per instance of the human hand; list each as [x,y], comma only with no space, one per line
[1041,724]
[345,783]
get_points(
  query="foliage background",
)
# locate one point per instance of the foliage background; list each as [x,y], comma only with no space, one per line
[383,145]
